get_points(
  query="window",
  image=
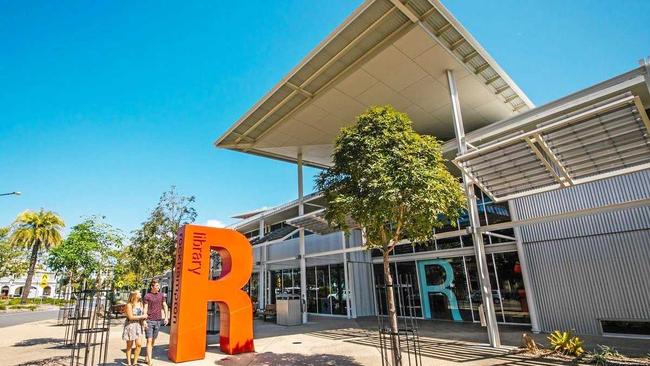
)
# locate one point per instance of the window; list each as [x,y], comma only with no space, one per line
[407,300]
[323,284]
[312,290]
[508,287]
[448,243]
[337,295]
[403,249]
[626,327]
[409,303]
[252,287]
[252,234]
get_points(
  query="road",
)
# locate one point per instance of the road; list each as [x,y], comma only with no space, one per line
[9,319]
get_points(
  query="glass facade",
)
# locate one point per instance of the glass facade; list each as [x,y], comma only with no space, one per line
[326,292]
[448,288]
[489,213]
[439,287]
[284,281]
[252,288]
[404,273]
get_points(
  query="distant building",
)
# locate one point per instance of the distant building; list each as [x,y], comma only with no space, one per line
[14,286]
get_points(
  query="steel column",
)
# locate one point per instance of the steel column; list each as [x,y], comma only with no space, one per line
[345,276]
[523,262]
[262,274]
[472,210]
[301,243]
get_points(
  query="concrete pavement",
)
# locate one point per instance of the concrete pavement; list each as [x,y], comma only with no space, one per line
[325,341]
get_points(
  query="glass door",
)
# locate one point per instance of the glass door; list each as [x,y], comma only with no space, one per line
[437,284]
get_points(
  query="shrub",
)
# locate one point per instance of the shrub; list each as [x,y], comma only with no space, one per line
[605,353]
[3,307]
[566,343]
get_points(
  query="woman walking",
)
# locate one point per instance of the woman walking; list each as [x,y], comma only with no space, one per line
[133,327]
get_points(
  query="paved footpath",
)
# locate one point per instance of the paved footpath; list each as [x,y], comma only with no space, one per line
[318,343]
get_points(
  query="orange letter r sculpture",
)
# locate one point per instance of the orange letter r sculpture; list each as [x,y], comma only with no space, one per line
[193,289]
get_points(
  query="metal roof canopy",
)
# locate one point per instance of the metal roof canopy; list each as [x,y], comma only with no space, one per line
[316,223]
[313,202]
[598,141]
[386,52]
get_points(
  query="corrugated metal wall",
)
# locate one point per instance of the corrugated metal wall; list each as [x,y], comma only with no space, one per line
[589,268]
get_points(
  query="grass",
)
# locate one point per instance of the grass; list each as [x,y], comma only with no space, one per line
[23,307]
[31,304]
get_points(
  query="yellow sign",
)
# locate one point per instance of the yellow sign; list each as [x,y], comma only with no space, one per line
[44,280]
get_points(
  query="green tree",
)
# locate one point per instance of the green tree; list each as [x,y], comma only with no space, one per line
[13,260]
[392,182]
[87,252]
[35,231]
[153,245]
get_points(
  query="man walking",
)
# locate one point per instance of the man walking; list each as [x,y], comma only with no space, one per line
[154,306]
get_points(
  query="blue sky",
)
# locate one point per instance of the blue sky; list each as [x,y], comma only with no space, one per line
[107,104]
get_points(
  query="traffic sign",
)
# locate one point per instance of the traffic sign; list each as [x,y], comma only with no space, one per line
[44,280]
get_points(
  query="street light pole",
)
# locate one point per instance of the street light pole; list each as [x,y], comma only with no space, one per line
[10,194]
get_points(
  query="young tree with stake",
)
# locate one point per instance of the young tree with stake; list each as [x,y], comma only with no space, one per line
[394,183]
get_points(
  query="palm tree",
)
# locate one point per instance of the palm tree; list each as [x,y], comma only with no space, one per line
[36,230]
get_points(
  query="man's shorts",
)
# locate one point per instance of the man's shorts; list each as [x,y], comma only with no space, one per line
[153,327]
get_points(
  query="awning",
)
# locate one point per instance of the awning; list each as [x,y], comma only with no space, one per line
[316,223]
[387,52]
[598,141]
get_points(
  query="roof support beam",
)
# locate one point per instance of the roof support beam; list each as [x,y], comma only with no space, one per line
[639,108]
[581,147]
[566,178]
[569,215]
[510,98]
[474,221]
[406,11]
[492,79]
[519,106]
[299,89]
[574,118]
[531,143]
[457,44]
[482,68]
[277,106]
[344,71]
[470,56]
[317,73]
[428,12]
[501,89]
[442,29]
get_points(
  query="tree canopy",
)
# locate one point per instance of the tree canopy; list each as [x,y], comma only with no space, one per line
[13,260]
[153,245]
[89,249]
[393,182]
[36,231]
[390,180]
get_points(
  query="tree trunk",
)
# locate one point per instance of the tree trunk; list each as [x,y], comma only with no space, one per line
[392,313]
[30,274]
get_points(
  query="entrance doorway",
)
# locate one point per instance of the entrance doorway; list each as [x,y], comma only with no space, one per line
[436,283]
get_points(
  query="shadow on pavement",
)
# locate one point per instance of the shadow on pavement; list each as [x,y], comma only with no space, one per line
[286,359]
[430,348]
[159,353]
[37,341]
[52,361]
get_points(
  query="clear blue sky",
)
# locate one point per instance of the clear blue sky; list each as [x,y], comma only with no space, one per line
[104,105]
